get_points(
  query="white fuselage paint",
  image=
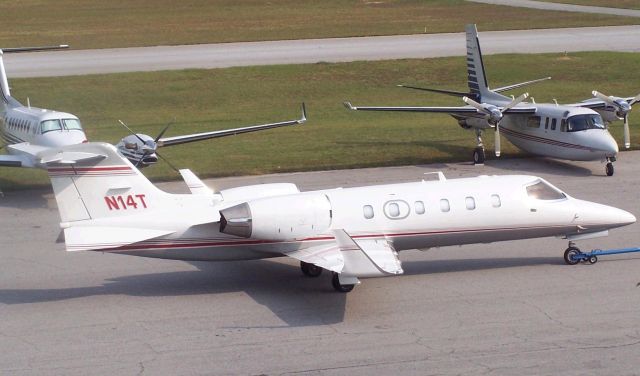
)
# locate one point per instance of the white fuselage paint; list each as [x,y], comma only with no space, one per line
[481,210]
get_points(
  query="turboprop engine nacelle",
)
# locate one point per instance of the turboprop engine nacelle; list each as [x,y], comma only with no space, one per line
[279,218]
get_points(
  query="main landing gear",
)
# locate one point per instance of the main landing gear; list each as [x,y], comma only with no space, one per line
[609,166]
[310,270]
[340,284]
[478,152]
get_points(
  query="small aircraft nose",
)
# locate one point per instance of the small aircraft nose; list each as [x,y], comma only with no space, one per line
[597,216]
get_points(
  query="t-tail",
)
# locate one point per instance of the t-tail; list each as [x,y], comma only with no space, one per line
[105,202]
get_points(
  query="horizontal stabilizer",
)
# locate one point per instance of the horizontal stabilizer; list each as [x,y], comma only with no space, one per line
[10,161]
[88,238]
[521,84]
[440,91]
[70,157]
[326,256]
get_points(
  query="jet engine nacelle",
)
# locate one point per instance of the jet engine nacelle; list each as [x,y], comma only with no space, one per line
[279,218]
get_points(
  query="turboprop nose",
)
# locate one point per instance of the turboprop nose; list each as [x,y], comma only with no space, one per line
[608,144]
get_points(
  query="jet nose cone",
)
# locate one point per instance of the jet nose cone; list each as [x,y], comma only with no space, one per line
[625,218]
[597,216]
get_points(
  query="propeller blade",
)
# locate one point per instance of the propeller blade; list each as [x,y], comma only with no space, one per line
[475,104]
[169,163]
[627,138]
[164,130]
[132,132]
[635,100]
[515,102]
[497,140]
[603,97]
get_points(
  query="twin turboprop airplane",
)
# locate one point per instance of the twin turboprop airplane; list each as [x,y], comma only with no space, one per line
[29,132]
[574,132]
[107,205]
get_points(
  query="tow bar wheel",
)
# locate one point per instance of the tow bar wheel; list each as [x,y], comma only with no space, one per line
[571,255]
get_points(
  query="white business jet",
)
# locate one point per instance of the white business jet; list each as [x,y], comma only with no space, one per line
[27,132]
[107,205]
[573,132]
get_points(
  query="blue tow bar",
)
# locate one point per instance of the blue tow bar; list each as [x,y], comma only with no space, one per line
[573,255]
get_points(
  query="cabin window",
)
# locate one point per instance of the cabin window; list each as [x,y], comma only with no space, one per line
[546,123]
[495,201]
[533,122]
[368,211]
[544,191]
[393,209]
[553,124]
[563,125]
[396,209]
[419,205]
[470,202]
[583,122]
[72,124]
[50,125]
[444,205]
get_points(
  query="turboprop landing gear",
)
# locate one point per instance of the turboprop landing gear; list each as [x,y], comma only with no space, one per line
[343,284]
[310,270]
[478,152]
[609,169]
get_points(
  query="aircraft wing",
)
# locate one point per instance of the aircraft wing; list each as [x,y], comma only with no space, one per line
[11,161]
[368,256]
[595,103]
[459,112]
[177,140]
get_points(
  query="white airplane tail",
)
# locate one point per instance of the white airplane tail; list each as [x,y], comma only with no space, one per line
[92,181]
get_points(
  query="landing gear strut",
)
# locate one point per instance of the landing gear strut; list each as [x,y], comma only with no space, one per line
[310,270]
[478,152]
[343,287]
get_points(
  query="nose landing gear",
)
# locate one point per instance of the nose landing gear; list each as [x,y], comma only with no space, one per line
[478,152]
[609,167]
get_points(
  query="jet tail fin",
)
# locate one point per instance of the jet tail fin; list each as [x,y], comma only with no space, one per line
[5,92]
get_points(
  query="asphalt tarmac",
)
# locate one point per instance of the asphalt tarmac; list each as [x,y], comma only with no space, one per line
[503,308]
[222,55]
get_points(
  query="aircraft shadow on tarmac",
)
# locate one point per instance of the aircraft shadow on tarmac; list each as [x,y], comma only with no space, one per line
[296,300]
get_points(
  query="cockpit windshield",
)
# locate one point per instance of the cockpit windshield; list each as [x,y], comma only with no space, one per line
[543,191]
[583,122]
[72,124]
[50,125]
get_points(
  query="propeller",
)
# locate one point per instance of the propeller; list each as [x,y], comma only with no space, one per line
[494,114]
[150,145]
[622,110]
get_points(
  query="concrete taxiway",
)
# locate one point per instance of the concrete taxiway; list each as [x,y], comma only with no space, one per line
[504,308]
[222,55]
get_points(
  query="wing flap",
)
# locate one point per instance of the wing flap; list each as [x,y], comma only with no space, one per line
[87,238]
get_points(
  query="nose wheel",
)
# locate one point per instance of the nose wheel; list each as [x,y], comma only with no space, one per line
[609,169]
[573,255]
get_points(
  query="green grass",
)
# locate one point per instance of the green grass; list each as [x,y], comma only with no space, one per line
[333,137]
[626,4]
[125,23]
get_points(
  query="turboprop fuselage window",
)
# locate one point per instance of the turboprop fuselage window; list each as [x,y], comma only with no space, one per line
[72,124]
[583,122]
[50,125]
[367,211]
[543,191]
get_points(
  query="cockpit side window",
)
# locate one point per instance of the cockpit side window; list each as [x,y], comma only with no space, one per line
[72,124]
[544,191]
[50,125]
[583,122]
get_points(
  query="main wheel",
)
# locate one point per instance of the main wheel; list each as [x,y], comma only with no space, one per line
[335,281]
[310,270]
[570,255]
[609,169]
[478,156]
